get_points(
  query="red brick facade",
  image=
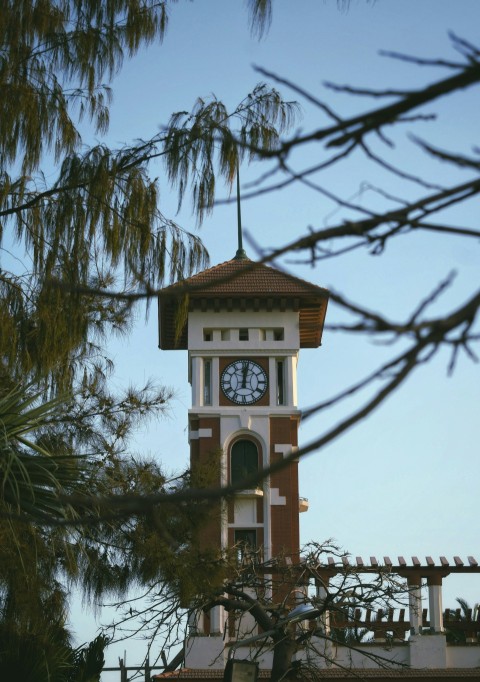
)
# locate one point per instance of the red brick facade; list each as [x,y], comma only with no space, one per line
[204,454]
[285,519]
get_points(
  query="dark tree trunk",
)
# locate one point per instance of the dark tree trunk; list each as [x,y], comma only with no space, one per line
[282,657]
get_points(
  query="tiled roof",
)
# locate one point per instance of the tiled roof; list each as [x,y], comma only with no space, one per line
[342,674]
[399,673]
[251,285]
[201,674]
[243,278]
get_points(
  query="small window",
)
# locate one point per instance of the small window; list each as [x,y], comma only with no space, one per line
[246,544]
[262,334]
[225,334]
[207,335]
[281,382]
[207,382]
[278,334]
[243,334]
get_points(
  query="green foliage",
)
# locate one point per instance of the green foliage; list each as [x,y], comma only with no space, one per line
[195,141]
[208,574]
[49,657]
[465,620]
[207,473]
[99,221]
[88,661]
[102,555]
[159,547]
[30,476]
[37,472]
[54,54]
[350,636]
[260,16]
[97,225]
[34,657]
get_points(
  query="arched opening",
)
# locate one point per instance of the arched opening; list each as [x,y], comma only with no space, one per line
[243,460]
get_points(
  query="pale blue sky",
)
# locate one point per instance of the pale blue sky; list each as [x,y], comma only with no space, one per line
[405,481]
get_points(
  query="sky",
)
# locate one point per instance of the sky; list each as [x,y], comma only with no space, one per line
[405,480]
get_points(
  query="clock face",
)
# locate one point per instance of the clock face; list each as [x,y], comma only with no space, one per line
[244,382]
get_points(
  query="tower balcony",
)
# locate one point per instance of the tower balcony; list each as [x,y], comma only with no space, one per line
[303,504]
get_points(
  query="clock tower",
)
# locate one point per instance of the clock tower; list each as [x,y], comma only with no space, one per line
[243,324]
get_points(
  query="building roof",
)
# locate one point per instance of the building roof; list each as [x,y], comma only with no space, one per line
[200,674]
[242,285]
[378,674]
[242,277]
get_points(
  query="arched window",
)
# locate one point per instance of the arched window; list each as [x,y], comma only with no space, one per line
[243,460]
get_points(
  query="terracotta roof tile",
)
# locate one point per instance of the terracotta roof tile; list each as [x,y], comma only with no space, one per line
[201,674]
[243,277]
[339,674]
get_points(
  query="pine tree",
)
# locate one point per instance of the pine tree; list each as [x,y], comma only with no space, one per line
[97,224]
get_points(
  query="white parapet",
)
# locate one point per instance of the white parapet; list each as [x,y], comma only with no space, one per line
[428,651]
[205,652]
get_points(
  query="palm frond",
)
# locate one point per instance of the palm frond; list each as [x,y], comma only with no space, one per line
[31,476]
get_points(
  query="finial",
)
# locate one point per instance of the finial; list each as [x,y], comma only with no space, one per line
[240,255]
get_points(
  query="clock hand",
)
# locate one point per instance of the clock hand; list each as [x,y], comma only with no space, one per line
[244,373]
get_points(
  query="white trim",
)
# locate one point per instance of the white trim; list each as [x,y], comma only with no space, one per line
[245,419]
[215,381]
[276,499]
[272,378]
[243,352]
[234,410]
[201,433]
[232,321]
[196,379]
[285,449]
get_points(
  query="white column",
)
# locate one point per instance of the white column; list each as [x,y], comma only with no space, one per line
[215,621]
[323,644]
[435,603]
[222,618]
[215,381]
[291,363]
[272,373]
[324,619]
[415,604]
[197,371]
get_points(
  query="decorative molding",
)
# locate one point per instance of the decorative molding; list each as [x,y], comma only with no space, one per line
[245,419]
[201,433]
[257,492]
[276,498]
[285,449]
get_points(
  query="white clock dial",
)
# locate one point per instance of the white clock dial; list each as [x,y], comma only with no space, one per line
[244,382]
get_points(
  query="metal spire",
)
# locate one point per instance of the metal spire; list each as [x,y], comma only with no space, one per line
[240,255]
